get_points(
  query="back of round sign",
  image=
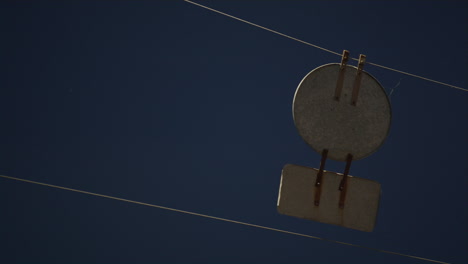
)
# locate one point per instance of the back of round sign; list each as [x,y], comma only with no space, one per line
[337,125]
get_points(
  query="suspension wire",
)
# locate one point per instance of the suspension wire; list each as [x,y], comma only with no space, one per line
[324,49]
[267,29]
[222,219]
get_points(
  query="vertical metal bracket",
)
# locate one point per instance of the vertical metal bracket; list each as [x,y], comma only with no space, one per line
[344,181]
[357,80]
[318,181]
[339,82]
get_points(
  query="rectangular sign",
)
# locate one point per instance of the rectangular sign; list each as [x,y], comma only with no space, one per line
[297,194]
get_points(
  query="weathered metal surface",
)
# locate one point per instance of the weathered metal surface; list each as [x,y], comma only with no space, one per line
[297,192]
[337,125]
[344,181]
[357,79]
[318,180]
[339,82]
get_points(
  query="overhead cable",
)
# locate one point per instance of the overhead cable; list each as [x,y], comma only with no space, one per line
[324,49]
[220,219]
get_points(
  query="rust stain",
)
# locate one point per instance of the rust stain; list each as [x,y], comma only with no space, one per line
[318,181]
[357,81]
[339,83]
[344,182]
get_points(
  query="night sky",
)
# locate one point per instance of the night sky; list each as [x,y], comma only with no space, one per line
[168,103]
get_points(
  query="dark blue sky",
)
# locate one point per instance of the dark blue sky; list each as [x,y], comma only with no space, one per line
[167,103]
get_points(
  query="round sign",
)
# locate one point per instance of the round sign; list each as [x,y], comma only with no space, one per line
[338,125]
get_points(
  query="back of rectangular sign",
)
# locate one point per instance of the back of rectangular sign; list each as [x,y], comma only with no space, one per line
[297,192]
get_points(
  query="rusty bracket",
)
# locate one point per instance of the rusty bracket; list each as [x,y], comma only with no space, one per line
[318,181]
[339,82]
[344,181]
[357,80]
